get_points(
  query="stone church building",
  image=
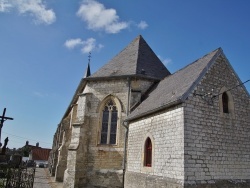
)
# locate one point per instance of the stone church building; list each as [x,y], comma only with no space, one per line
[134,124]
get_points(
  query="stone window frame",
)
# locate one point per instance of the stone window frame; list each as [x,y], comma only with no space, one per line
[230,103]
[100,108]
[148,152]
[225,102]
[145,168]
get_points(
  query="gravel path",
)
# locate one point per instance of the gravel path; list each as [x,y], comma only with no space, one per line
[41,179]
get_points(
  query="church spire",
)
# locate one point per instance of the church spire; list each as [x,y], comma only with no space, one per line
[137,59]
[87,73]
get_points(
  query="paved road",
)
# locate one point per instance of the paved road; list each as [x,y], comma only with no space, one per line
[41,179]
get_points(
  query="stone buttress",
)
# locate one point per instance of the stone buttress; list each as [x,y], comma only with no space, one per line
[77,155]
[63,149]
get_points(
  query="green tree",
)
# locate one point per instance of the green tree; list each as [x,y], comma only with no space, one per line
[24,151]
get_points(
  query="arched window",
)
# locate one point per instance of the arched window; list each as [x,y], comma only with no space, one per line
[148,153]
[109,123]
[225,102]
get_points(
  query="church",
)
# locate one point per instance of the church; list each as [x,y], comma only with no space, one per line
[134,124]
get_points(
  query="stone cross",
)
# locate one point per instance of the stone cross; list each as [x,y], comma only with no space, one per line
[3,118]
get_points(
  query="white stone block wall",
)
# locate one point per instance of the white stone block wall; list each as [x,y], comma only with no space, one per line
[217,145]
[167,131]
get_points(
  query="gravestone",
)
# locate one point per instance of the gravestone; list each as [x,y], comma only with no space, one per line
[16,160]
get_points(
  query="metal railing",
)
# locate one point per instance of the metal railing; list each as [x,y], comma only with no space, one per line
[21,177]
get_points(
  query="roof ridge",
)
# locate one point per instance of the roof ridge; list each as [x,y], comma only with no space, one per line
[197,60]
[139,37]
[176,86]
[137,58]
[188,65]
[217,52]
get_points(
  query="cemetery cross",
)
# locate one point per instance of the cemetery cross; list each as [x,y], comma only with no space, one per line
[2,119]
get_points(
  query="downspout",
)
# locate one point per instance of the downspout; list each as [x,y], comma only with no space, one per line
[125,124]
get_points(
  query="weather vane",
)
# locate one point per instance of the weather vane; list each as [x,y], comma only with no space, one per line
[89,56]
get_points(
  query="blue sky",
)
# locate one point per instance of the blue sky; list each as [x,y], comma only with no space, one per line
[44,47]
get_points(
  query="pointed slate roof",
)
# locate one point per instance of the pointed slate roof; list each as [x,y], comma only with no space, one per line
[136,59]
[87,73]
[175,88]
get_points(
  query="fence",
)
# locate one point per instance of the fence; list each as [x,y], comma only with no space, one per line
[21,177]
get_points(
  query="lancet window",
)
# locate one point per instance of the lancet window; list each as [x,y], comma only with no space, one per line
[109,123]
[225,102]
[148,153]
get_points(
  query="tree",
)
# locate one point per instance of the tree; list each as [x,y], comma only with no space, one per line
[24,151]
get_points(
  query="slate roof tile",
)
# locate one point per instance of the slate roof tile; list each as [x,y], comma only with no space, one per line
[174,87]
[136,59]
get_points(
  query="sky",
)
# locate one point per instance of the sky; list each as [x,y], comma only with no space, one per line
[44,48]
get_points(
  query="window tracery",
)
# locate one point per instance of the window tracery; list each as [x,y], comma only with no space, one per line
[109,123]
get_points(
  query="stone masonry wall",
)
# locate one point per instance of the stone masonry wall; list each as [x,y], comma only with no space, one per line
[63,149]
[104,163]
[217,146]
[57,141]
[166,130]
[76,155]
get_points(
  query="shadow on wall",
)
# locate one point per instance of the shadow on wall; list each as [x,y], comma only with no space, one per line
[105,168]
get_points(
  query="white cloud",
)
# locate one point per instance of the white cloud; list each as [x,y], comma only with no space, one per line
[72,43]
[165,61]
[35,8]
[142,25]
[5,6]
[98,17]
[87,46]
[90,45]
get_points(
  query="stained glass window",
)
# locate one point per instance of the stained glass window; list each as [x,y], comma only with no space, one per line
[109,123]
[105,119]
[148,153]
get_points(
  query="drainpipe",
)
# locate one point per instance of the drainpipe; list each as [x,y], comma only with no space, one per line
[125,124]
